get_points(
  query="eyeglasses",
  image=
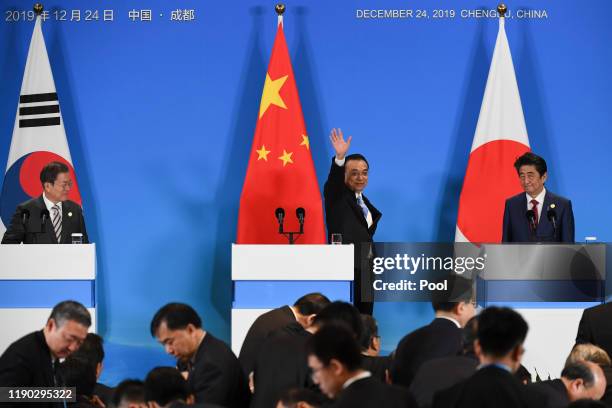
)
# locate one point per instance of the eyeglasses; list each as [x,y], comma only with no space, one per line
[65,185]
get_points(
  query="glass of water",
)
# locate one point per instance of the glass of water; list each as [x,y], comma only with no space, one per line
[77,238]
[336,239]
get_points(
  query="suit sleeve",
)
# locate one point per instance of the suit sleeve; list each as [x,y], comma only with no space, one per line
[567,228]
[83,229]
[14,370]
[584,334]
[15,233]
[506,229]
[334,186]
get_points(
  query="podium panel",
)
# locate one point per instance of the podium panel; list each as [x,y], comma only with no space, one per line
[269,276]
[34,278]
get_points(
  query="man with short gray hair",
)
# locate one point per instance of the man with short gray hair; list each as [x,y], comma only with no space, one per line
[32,360]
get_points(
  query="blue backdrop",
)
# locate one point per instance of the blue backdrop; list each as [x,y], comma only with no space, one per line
[160,117]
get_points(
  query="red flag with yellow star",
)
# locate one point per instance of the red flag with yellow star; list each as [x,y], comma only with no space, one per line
[280,172]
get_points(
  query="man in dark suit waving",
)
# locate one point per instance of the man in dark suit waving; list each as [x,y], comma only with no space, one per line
[537,214]
[347,210]
[50,218]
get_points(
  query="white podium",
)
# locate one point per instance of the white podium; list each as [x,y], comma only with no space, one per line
[269,276]
[34,278]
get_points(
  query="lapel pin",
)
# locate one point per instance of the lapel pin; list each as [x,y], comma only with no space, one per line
[552,205]
[70,213]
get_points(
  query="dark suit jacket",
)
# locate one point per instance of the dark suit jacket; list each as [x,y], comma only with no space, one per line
[489,387]
[516,225]
[282,363]
[216,375]
[441,338]
[260,329]
[595,327]
[370,392]
[438,374]
[377,365]
[554,391]
[72,222]
[27,363]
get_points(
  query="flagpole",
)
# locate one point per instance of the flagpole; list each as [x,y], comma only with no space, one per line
[502,9]
[280,9]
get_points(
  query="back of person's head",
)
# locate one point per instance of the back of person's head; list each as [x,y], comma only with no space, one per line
[49,173]
[356,156]
[164,385]
[369,334]
[589,352]
[500,331]
[70,310]
[311,303]
[531,159]
[91,349]
[341,312]
[129,394]
[470,333]
[176,316]
[79,373]
[301,398]
[335,341]
[459,289]
[584,379]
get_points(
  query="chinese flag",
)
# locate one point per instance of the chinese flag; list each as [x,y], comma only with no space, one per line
[280,172]
[500,137]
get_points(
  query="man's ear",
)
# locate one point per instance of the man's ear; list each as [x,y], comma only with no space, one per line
[477,348]
[335,366]
[544,177]
[51,325]
[310,319]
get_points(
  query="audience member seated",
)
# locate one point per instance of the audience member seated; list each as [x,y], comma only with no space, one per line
[370,350]
[334,356]
[441,373]
[579,380]
[129,394]
[33,360]
[81,374]
[302,311]
[92,351]
[165,387]
[441,338]
[597,355]
[214,374]
[301,398]
[283,362]
[499,347]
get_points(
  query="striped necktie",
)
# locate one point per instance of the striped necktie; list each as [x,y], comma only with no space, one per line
[57,222]
[364,208]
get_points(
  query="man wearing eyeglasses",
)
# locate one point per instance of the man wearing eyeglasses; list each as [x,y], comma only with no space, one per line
[348,211]
[50,218]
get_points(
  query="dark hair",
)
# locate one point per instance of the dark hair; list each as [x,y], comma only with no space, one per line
[500,330]
[311,303]
[70,310]
[129,391]
[470,333]
[335,341]
[79,373]
[531,159]
[290,398]
[49,173]
[91,350]
[459,289]
[356,156]
[177,316]
[370,330]
[164,385]
[341,312]
[579,370]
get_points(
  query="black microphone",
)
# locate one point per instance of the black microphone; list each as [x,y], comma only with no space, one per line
[552,217]
[530,214]
[280,216]
[300,213]
[25,216]
[44,214]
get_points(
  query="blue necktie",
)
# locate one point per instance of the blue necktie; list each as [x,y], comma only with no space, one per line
[364,208]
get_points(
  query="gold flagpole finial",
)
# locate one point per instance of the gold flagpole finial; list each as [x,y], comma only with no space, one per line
[38,9]
[502,9]
[280,9]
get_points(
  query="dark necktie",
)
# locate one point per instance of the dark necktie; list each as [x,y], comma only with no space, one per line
[535,211]
[57,222]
